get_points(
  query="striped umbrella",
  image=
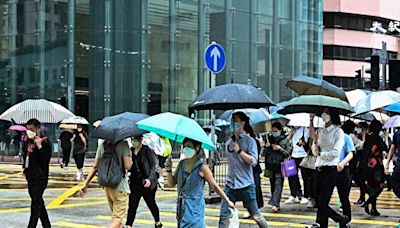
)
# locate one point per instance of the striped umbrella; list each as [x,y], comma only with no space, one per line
[43,110]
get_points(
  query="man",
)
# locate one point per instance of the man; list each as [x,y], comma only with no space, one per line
[242,156]
[394,153]
[117,197]
[65,141]
[36,155]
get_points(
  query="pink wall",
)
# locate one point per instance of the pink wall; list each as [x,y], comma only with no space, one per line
[381,8]
[360,39]
[342,68]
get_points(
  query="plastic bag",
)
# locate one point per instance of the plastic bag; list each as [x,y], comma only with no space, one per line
[235,218]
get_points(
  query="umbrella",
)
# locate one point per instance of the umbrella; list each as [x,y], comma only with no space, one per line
[315,104]
[277,107]
[376,100]
[155,142]
[43,110]
[304,85]
[221,123]
[75,120]
[68,126]
[119,127]
[356,95]
[394,121]
[369,116]
[176,127]
[17,128]
[393,108]
[96,123]
[231,96]
[210,126]
[303,120]
[256,115]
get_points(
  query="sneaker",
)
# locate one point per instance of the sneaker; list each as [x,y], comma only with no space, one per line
[78,176]
[359,202]
[297,199]
[311,204]
[246,215]
[304,201]
[62,165]
[290,200]
[161,182]
[275,209]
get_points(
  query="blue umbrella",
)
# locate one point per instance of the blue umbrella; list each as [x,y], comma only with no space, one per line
[176,127]
[393,108]
[119,127]
[256,115]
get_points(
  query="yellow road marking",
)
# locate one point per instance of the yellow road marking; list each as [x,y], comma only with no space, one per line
[26,190]
[4,177]
[60,199]
[75,225]
[14,210]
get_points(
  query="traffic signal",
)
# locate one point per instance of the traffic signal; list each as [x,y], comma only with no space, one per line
[374,71]
[358,78]
[394,74]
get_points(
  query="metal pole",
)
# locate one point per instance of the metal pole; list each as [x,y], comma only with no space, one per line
[143,56]
[13,32]
[41,43]
[107,58]
[173,33]
[384,62]
[71,55]
[229,40]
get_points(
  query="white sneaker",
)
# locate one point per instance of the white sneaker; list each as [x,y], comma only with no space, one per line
[290,200]
[161,182]
[246,215]
[78,176]
[304,201]
[297,200]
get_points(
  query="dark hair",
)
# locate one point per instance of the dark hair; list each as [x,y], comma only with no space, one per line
[277,125]
[348,127]
[363,125]
[375,126]
[247,127]
[335,118]
[34,122]
[195,143]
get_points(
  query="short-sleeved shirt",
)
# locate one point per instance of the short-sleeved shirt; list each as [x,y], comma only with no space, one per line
[348,146]
[396,142]
[122,150]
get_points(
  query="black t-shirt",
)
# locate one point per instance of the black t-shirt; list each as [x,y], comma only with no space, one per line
[65,138]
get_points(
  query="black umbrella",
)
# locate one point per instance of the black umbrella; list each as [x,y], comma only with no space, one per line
[304,85]
[231,96]
[119,127]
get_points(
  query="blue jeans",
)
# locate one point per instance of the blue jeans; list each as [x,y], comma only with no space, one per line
[248,196]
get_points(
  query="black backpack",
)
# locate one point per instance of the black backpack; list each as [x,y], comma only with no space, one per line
[111,171]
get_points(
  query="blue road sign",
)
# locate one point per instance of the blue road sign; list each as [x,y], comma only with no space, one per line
[214,57]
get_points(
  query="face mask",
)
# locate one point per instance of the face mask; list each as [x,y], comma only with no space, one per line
[326,117]
[80,129]
[276,133]
[188,152]
[30,134]
[135,143]
[358,130]
[234,126]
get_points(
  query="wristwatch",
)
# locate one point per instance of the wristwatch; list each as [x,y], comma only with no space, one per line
[240,151]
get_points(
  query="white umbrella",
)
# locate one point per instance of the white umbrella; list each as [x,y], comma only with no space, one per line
[303,120]
[43,110]
[356,95]
[375,101]
[394,121]
[155,142]
[75,120]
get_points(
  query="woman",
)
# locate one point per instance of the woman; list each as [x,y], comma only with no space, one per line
[143,180]
[80,140]
[65,141]
[278,148]
[190,175]
[327,148]
[374,148]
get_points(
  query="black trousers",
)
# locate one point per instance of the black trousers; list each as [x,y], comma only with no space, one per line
[343,185]
[326,179]
[308,180]
[294,181]
[79,159]
[396,179]
[38,208]
[149,196]
[66,155]
[360,178]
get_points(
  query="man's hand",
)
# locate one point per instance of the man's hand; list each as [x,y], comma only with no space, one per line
[230,204]
[340,167]
[235,147]
[147,183]
[168,164]
[276,147]
[38,142]
[83,190]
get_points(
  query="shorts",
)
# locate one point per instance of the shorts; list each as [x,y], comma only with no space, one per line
[161,161]
[118,202]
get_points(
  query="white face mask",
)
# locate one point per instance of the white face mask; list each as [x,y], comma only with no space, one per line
[30,134]
[188,153]
[326,117]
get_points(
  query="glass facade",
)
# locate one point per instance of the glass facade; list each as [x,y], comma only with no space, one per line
[102,57]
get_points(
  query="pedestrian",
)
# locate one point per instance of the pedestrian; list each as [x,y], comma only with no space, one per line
[242,157]
[16,140]
[80,140]
[374,146]
[278,148]
[343,182]
[117,197]
[36,158]
[327,148]
[162,159]
[360,162]
[299,138]
[308,169]
[394,156]
[143,180]
[65,141]
[190,176]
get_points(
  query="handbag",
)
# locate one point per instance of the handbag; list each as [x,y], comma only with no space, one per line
[309,162]
[288,168]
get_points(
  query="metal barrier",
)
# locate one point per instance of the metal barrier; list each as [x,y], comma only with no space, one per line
[218,163]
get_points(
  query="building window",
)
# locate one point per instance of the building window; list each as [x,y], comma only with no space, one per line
[349,53]
[352,21]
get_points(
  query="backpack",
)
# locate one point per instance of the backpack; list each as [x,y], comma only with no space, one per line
[111,171]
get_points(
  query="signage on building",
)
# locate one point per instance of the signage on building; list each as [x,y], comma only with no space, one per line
[214,57]
[393,27]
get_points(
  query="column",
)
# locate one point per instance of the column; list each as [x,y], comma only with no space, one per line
[276,50]
[41,24]
[107,58]
[143,56]
[71,55]
[253,42]
[13,32]
[172,57]
[229,41]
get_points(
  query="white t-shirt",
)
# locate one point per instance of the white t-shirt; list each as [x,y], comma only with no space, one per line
[298,151]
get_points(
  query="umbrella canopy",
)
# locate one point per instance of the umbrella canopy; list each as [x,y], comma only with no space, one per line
[369,116]
[75,120]
[315,104]
[303,120]
[393,108]
[356,95]
[155,142]
[221,123]
[43,110]
[17,128]
[176,127]
[96,123]
[256,115]
[278,107]
[376,100]
[68,126]
[210,126]
[119,127]
[304,85]
[394,121]
[231,96]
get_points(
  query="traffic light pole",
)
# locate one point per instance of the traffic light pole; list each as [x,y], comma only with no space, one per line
[384,61]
